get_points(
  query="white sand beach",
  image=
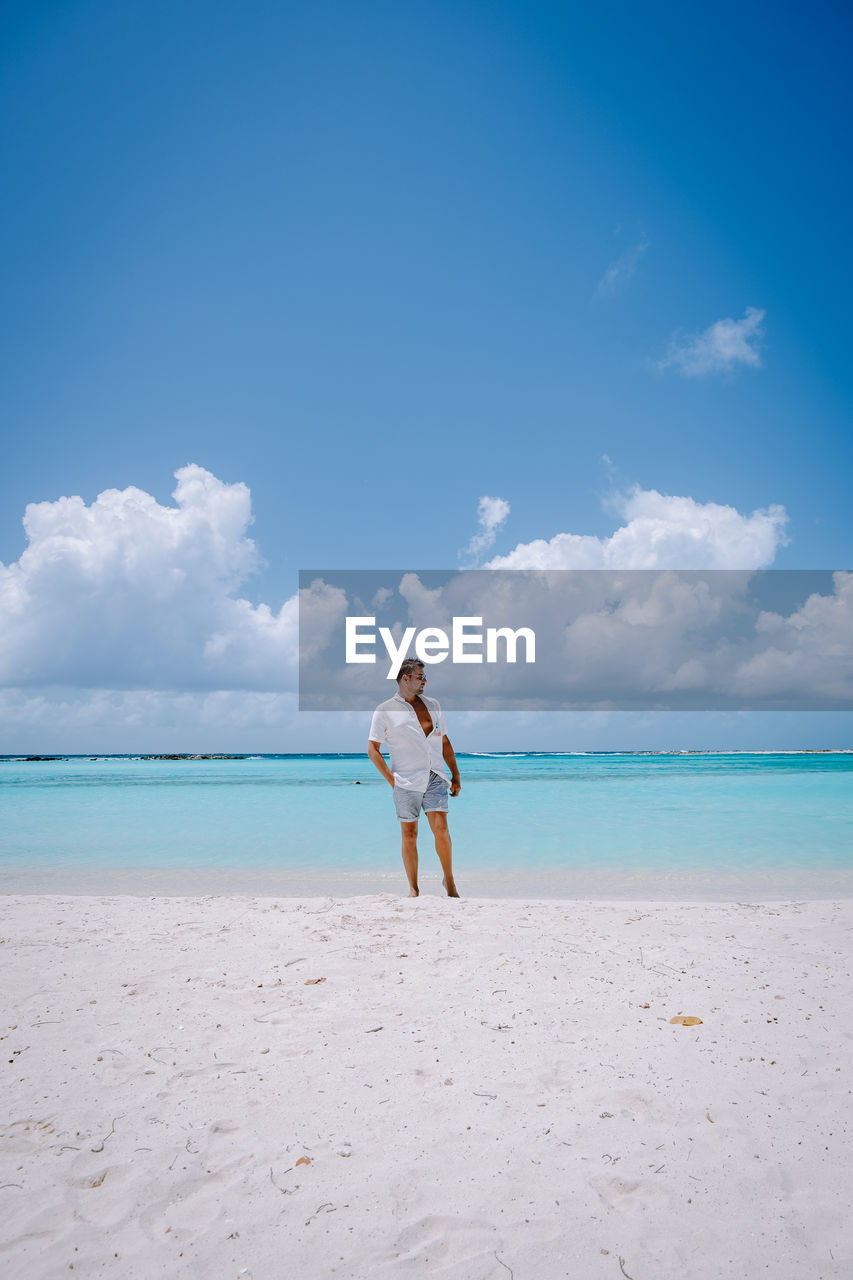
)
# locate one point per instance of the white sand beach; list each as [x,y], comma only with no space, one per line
[474,1090]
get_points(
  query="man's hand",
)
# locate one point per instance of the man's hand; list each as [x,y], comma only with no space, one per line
[375,756]
[450,760]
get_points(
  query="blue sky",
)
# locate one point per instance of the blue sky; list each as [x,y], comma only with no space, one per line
[376,262]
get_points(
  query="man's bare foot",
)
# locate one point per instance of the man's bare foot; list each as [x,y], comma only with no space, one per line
[451,889]
[414,893]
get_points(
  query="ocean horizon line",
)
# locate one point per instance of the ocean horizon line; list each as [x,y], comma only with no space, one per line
[35,757]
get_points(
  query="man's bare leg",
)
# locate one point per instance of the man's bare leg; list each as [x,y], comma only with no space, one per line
[409,832]
[444,848]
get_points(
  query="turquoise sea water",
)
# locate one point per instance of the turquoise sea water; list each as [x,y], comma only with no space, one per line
[530,824]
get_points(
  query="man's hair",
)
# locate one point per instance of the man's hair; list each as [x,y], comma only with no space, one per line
[407,666]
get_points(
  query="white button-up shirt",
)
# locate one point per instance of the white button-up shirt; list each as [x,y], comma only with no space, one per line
[413,752]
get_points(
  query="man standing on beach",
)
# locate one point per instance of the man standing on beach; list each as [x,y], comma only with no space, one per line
[413,727]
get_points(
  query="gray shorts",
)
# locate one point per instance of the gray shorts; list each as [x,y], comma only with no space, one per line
[434,800]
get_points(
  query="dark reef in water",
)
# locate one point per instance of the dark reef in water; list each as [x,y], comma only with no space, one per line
[217,756]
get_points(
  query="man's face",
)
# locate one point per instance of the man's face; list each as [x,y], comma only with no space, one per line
[413,683]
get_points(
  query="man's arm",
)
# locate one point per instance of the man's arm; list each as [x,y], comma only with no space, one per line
[378,759]
[450,760]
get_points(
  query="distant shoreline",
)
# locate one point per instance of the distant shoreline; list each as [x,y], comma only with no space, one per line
[23,757]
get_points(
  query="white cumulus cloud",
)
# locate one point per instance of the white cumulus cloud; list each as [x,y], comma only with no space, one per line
[721,347]
[130,612]
[661,532]
[491,514]
[809,648]
[126,593]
